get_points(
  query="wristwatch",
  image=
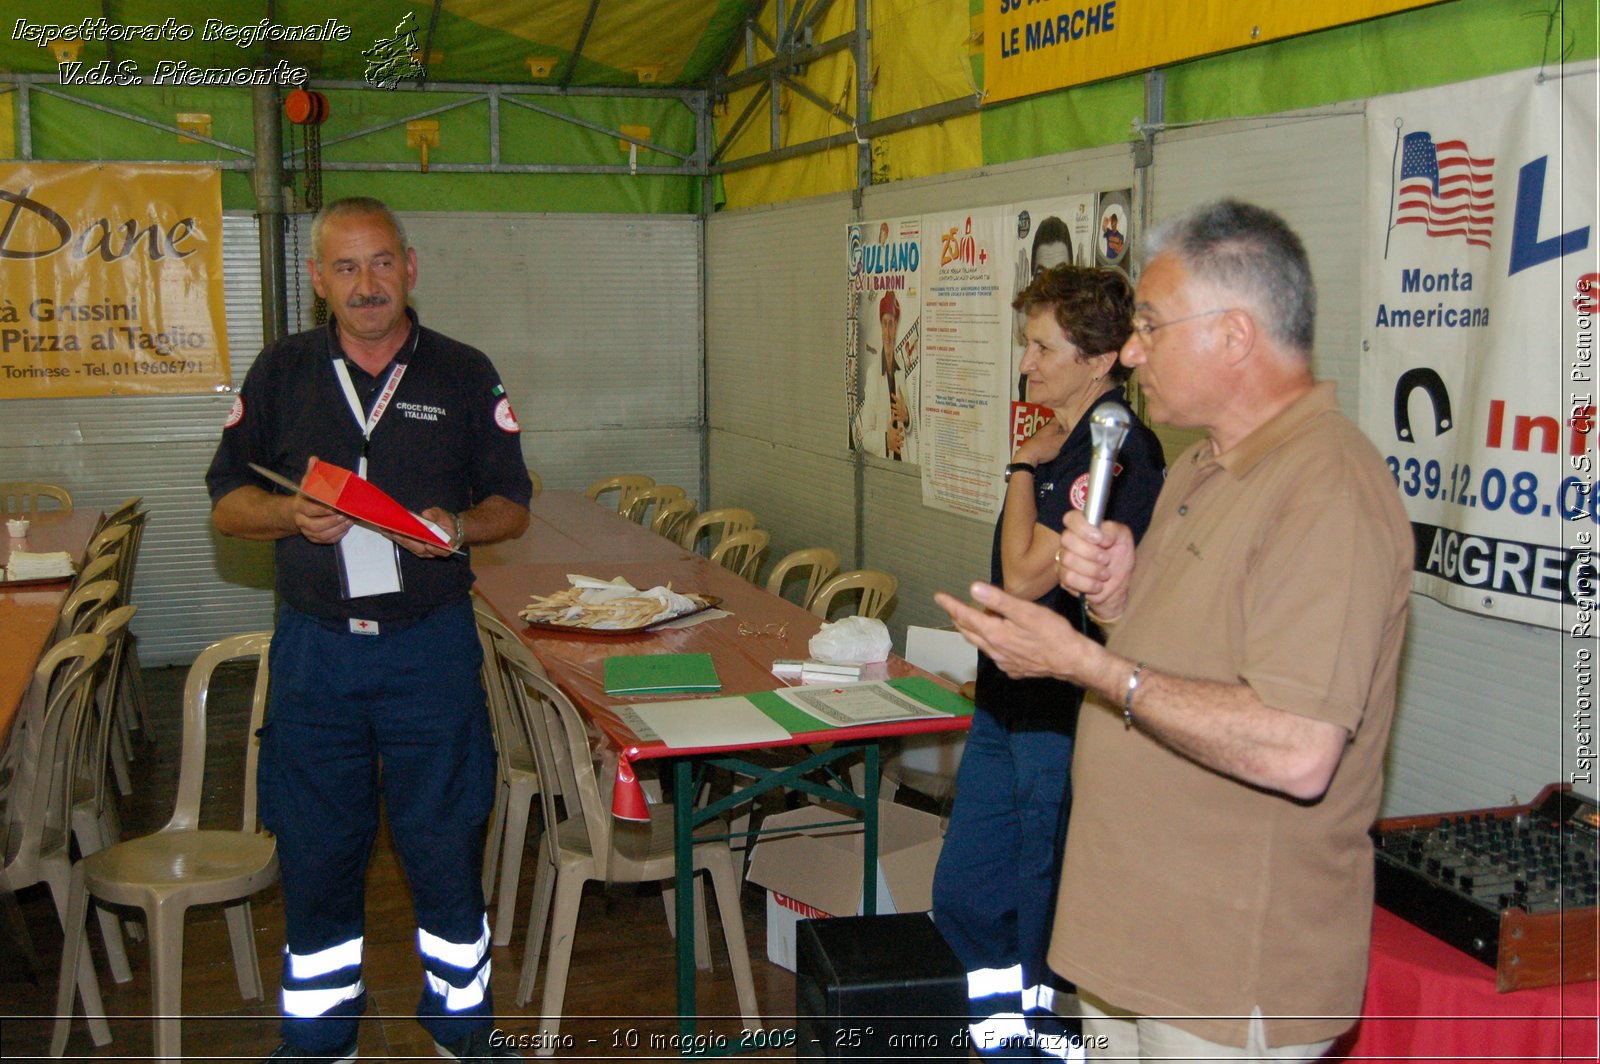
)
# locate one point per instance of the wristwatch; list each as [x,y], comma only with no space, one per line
[1019,467]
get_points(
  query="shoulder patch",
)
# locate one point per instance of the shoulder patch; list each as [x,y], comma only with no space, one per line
[235,412]
[504,417]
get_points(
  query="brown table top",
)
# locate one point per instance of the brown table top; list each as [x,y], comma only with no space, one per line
[28,614]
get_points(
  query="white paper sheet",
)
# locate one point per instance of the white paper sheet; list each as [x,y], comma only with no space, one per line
[842,705]
[692,722]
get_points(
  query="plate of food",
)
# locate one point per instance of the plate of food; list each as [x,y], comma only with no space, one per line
[602,607]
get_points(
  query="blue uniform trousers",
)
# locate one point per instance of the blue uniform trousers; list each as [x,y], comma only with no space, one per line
[351,716]
[995,885]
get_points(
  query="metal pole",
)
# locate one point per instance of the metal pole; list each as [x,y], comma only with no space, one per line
[267,181]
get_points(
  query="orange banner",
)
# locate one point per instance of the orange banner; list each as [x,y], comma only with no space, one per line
[110,280]
[1032,46]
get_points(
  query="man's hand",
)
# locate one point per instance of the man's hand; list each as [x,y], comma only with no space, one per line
[423,548]
[894,440]
[1024,638]
[1096,563]
[897,410]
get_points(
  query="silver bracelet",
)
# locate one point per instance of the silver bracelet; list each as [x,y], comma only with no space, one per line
[1127,699]
[461,533]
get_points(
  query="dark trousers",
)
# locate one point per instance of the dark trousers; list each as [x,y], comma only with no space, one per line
[352,717]
[995,885]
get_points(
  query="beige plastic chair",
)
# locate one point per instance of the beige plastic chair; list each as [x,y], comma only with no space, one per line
[538,483]
[35,841]
[22,497]
[98,568]
[671,518]
[109,538]
[518,784]
[638,510]
[624,484]
[877,588]
[122,510]
[818,563]
[584,843]
[718,524]
[84,605]
[740,552]
[181,865]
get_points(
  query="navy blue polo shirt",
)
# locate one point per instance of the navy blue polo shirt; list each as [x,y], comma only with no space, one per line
[1042,702]
[448,439]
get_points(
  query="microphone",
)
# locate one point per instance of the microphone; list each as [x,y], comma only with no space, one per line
[1108,427]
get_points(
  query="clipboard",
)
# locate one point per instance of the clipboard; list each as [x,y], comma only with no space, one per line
[359,499]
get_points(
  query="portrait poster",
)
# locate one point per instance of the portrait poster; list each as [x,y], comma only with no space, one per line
[883,336]
[1478,350]
[110,280]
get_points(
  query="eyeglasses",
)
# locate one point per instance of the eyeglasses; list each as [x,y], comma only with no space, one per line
[777,631]
[1146,330]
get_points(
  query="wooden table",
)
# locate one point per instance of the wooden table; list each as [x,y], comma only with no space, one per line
[28,614]
[587,538]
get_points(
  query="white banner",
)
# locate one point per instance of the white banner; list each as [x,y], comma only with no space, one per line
[965,403]
[1478,364]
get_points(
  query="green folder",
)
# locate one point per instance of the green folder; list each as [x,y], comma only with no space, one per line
[649,674]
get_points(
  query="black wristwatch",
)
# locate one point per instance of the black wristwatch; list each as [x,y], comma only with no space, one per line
[1019,467]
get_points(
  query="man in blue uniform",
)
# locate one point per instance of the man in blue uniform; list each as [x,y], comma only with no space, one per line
[374,657]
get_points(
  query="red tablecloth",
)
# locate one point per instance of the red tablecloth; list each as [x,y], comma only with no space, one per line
[1427,1000]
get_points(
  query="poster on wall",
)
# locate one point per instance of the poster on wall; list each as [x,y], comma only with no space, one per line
[1048,233]
[112,280]
[883,357]
[968,274]
[1478,355]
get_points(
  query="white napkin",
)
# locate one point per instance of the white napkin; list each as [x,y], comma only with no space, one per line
[29,565]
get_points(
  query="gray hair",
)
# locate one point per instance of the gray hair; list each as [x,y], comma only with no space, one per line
[353,205]
[1252,253]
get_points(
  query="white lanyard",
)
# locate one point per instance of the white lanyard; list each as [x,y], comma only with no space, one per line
[370,421]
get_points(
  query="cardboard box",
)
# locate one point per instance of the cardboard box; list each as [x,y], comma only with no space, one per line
[815,873]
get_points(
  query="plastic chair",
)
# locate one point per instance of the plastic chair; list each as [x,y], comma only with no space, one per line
[98,568]
[638,510]
[624,484]
[83,606]
[721,522]
[586,844]
[518,784]
[740,552]
[877,588]
[818,563]
[181,865]
[35,841]
[22,497]
[122,510]
[671,518]
[110,537]
[538,483]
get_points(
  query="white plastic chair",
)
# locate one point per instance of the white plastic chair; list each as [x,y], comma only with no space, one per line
[584,843]
[183,865]
[818,563]
[876,587]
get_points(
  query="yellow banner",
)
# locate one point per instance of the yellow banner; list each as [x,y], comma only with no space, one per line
[110,280]
[1034,46]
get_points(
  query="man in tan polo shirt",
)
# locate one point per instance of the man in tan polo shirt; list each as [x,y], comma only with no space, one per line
[1216,895]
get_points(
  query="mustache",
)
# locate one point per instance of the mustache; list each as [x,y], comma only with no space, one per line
[376,300]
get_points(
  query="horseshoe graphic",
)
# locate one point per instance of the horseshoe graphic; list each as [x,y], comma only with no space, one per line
[1429,382]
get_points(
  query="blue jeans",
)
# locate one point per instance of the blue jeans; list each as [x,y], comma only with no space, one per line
[353,717]
[995,884]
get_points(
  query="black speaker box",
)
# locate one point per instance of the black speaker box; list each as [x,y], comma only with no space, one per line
[878,988]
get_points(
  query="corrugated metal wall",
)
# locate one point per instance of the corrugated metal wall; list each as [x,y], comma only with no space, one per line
[594,322]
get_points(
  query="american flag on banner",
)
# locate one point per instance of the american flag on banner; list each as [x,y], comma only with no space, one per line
[1445,190]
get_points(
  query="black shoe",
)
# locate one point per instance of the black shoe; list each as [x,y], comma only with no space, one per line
[289,1052]
[479,1045]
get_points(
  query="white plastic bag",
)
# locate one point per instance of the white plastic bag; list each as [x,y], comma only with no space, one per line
[851,641]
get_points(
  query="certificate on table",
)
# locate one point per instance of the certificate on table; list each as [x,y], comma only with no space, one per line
[857,703]
[703,722]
